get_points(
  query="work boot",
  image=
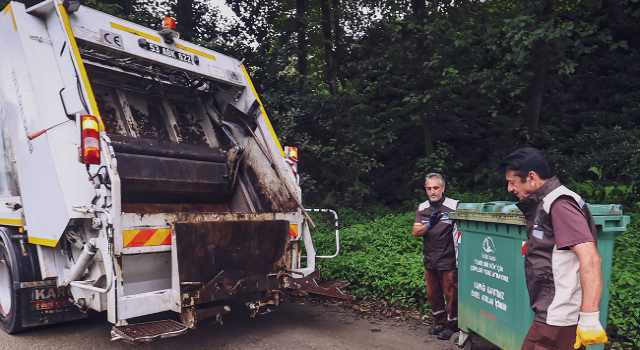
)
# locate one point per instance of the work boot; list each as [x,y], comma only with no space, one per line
[446,334]
[436,329]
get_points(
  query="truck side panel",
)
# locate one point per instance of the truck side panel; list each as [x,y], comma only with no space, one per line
[51,179]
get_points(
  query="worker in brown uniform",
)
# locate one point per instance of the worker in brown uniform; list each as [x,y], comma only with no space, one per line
[440,255]
[562,265]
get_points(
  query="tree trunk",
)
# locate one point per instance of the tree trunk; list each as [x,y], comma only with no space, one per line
[426,128]
[540,53]
[337,30]
[541,63]
[185,18]
[418,7]
[328,47]
[301,12]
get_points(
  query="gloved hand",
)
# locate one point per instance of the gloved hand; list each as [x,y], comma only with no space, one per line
[590,331]
[434,218]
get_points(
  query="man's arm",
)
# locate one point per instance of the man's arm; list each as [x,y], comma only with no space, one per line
[419,229]
[590,275]
[589,331]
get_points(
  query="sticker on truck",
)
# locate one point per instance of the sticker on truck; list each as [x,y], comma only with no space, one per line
[48,305]
[46,298]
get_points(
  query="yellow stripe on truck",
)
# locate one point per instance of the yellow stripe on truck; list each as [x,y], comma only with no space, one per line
[136,32]
[194,51]
[43,241]
[11,222]
[4,12]
[80,64]
[264,113]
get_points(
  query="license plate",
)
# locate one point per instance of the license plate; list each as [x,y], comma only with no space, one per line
[168,52]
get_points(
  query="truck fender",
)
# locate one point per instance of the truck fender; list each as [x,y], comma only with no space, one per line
[24,269]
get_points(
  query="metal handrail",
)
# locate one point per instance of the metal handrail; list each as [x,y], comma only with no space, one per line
[335,215]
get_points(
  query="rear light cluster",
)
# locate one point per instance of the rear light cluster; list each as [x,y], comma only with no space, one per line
[292,159]
[90,127]
[293,153]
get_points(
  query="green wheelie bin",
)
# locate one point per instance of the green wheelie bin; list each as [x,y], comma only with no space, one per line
[493,301]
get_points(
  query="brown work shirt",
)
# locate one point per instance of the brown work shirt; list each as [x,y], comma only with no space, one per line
[569,223]
[440,243]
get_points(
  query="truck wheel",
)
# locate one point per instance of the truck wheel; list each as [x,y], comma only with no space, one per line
[9,298]
[453,341]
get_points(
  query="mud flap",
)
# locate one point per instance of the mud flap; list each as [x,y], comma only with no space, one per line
[48,305]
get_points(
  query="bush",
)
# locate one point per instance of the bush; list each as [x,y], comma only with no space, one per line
[624,301]
[378,255]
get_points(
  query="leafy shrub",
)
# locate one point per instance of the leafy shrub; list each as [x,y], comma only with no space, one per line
[624,301]
[379,255]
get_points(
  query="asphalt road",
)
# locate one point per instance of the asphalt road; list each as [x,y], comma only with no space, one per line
[297,325]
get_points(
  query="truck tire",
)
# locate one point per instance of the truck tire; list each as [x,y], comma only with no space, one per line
[9,298]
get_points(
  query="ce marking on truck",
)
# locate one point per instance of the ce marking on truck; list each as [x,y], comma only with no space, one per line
[111,39]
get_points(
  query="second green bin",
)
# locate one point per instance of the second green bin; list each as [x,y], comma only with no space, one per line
[493,300]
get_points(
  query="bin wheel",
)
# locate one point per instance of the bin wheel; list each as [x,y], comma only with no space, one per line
[453,341]
[9,297]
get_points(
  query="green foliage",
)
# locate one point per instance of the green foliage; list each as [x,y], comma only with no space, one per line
[378,253]
[624,302]
[594,192]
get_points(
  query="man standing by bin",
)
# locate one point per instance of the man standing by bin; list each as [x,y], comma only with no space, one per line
[440,255]
[562,265]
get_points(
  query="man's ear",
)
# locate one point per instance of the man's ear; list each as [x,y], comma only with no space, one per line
[533,176]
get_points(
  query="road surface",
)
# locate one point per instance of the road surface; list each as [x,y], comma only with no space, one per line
[298,325]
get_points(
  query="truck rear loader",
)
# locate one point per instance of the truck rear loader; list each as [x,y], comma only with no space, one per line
[139,173]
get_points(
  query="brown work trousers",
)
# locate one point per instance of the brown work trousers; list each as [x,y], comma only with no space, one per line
[545,337]
[439,283]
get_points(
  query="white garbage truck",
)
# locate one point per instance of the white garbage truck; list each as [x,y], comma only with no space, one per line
[139,173]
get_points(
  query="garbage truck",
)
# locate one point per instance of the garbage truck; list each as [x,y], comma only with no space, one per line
[139,174]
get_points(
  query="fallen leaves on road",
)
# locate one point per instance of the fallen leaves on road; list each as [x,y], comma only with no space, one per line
[376,309]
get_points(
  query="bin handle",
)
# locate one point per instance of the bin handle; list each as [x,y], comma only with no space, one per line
[620,224]
[487,205]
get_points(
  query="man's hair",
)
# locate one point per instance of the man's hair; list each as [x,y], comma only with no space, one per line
[434,175]
[525,160]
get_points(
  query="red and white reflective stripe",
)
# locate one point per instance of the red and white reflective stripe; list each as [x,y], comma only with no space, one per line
[459,237]
[524,247]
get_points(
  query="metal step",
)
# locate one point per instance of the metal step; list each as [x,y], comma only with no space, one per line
[146,332]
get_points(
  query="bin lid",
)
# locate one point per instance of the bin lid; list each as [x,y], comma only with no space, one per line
[501,212]
[508,213]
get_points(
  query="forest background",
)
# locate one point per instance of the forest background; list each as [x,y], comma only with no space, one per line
[378,93]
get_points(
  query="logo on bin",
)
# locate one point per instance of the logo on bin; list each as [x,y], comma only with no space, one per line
[488,245]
